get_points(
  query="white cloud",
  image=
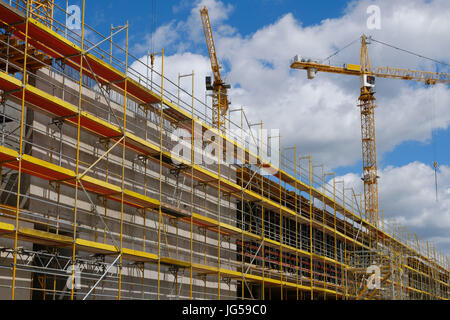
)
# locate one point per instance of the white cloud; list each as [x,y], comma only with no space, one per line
[408,195]
[180,36]
[218,13]
[164,36]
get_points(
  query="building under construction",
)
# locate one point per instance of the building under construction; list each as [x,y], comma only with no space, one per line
[95,205]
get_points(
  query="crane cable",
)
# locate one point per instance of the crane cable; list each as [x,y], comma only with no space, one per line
[339,50]
[435,180]
[153,26]
[410,52]
[435,164]
[434,148]
[388,45]
[433,111]
[152,52]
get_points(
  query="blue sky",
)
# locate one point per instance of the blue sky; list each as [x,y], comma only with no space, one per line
[248,15]
[255,41]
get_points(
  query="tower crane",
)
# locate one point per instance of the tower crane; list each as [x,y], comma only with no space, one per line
[219,89]
[367,106]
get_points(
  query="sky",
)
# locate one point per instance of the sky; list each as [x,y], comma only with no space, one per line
[255,41]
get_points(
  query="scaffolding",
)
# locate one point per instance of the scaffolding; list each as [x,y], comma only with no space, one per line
[96,205]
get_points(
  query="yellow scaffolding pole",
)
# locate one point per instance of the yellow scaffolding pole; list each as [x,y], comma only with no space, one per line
[24,84]
[281,226]
[262,224]
[160,173]
[311,230]
[80,101]
[125,96]
[193,137]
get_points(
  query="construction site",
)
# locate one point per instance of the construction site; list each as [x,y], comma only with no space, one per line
[95,205]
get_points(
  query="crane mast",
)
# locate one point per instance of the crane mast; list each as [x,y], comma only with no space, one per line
[369,148]
[366,103]
[220,103]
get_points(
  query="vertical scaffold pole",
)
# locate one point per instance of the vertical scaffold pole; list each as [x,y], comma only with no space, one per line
[160,173]
[19,177]
[80,101]
[343,244]
[297,240]
[281,221]
[335,242]
[193,137]
[310,230]
[219,157]
[125,96]
[262,220]
[324,242]
[242,208]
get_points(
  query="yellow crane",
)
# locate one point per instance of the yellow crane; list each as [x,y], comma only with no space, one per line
[367,106]
[218,87]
